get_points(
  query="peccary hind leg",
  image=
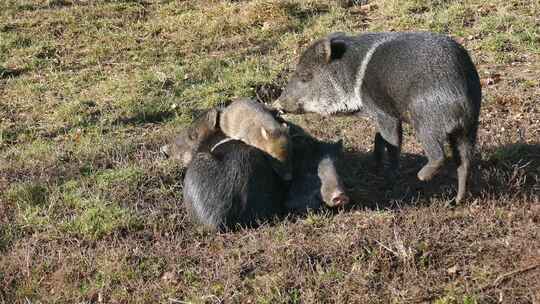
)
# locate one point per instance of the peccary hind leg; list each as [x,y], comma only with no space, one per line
[435,154]
[462,153]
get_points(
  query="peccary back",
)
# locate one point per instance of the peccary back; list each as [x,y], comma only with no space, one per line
[232,185]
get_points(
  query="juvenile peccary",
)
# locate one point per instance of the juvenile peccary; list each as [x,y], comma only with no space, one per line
[426,79]
[227,182]
[251,122]
[315,169]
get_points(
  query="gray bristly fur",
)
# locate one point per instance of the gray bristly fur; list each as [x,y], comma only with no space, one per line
[233,185]
[426,79]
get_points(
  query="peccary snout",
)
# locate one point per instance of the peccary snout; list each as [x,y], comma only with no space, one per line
[316,180]
[340,199]
[332,189]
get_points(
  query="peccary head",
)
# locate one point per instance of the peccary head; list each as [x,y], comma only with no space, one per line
[275,142]
[191,138]
[316,178]
[332,191]
[323,81]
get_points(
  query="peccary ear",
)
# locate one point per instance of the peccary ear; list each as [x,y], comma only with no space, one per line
[336,49]
[332,48]
[264,133]
[212,117]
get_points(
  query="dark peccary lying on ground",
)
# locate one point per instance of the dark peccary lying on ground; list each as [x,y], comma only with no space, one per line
[315,169]
[426,79]
[251,122]
[233,185]
[227,182]
[230,183]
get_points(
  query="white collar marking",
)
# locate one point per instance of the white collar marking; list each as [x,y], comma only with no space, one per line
[221,142]
[362,72]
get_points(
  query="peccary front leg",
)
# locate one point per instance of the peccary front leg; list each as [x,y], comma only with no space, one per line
[434,152]
[389,136]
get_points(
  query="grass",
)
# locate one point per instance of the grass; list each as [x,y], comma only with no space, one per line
[91,212]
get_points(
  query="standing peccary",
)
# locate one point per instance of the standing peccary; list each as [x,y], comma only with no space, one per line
[426,79]
[249,121]
[316,179]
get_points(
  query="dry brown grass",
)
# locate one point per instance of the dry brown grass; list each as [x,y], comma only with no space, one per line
[90,212]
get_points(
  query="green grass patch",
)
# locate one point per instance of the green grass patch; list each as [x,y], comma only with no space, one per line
[98,219]
[73,208]
[28,195]
[467,299]
[9,232]
[33,206]
[317,219]
[124,177]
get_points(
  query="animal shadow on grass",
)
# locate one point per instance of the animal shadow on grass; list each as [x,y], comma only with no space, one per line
[501,171]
